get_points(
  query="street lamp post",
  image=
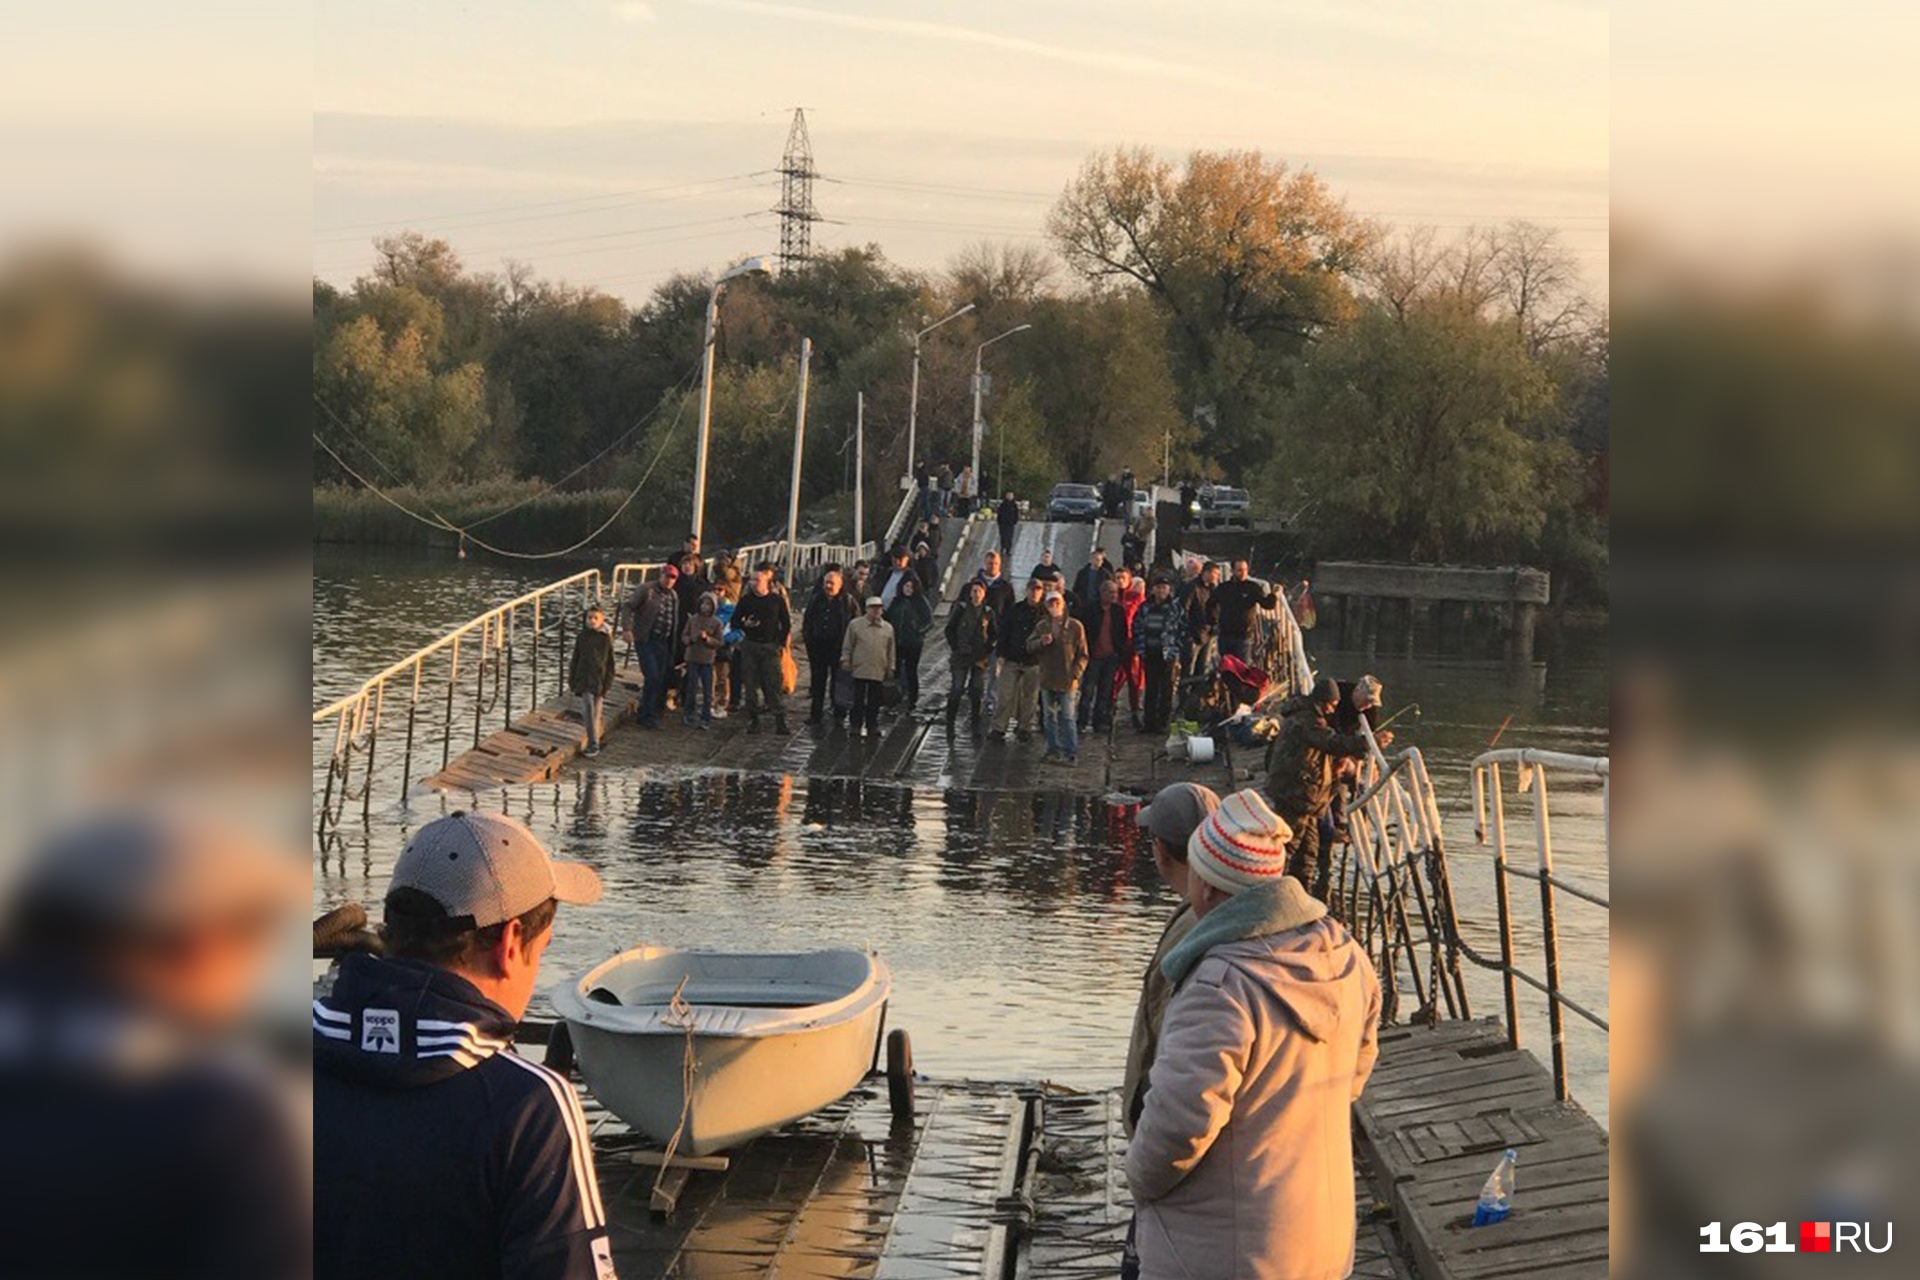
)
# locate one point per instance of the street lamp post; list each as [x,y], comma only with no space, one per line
[979,423]
[737,270]
[913,394]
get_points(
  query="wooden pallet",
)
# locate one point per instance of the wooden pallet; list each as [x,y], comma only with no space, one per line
[1442,1105]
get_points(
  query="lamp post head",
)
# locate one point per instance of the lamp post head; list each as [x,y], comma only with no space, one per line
[937,323]
[747,266]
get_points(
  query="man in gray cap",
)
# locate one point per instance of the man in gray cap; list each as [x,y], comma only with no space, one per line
[131,948]
[437,1150]
[1170,821]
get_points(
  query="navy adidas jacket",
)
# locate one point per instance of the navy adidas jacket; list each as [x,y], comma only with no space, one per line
[438,1151]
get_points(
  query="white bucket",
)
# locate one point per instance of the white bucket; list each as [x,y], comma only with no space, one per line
[1199,750]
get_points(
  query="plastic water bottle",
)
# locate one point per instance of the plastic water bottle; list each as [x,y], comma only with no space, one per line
[1496,1197]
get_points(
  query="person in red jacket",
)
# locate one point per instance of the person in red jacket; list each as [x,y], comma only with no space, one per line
[1129,671]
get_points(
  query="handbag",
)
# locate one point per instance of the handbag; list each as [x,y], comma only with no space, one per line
[843,690]
[789,671]
[890,694]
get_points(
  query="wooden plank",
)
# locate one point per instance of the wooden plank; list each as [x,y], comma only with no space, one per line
[1442,1102]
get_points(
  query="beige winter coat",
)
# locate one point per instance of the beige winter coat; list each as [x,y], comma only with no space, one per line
[1148,1015]
[868,649]
[1242,1163]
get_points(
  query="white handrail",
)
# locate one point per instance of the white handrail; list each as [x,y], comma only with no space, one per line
[583,579]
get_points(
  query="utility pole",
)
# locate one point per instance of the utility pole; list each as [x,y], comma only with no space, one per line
[734,272]
[859,470]
[799,445]
[978,383]
[979,423]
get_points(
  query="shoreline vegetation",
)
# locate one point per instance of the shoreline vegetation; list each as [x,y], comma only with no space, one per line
[516,513]
[1392,395]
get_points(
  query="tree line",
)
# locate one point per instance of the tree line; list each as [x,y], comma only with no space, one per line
[1396,395]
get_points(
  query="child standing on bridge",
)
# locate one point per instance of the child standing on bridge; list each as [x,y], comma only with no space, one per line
[592,672]
[703,638]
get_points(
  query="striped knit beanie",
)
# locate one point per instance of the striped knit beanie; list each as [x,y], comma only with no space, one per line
[1243,843]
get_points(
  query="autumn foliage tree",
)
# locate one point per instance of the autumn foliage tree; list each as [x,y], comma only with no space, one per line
[1250,259]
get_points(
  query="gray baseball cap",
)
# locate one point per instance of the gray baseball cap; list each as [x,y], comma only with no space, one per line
[1177,812]
[490,867]
[164,871]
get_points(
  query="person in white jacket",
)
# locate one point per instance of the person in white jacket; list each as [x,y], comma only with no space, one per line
[1241,1164]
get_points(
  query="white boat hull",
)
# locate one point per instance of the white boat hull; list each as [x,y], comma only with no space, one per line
[773,1038]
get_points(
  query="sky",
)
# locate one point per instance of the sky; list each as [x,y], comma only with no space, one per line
[613,142]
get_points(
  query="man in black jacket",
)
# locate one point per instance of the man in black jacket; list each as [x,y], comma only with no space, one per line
[139,1140]
[765,626]
[1086,583]
[1019,665]
[1300,772]
[973,632]
[998,597]
[592,672]
[1234,606]
[1008,515]
[438,1151]
[824,627]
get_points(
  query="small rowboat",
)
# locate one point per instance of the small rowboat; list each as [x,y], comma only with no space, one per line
[762,1039]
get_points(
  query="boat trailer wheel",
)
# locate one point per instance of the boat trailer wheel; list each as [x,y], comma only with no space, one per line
[900,1075]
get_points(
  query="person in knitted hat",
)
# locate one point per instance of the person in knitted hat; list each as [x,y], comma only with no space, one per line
[1241,1163]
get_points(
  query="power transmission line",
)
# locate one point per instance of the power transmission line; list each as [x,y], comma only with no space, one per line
[324,232]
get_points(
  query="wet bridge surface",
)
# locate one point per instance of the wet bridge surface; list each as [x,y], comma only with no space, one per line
[988,1181]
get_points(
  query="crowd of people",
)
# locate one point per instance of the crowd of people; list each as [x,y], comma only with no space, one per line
[715,638]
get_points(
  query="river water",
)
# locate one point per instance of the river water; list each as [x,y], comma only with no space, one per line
[1017,925]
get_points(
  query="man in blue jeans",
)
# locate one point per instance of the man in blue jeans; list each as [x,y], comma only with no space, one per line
[656,622]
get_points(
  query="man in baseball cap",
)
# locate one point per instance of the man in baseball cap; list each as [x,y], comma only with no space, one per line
[438,1151]
[1269,1037]
[133,947]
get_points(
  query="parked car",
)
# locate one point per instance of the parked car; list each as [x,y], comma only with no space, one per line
[1222,505]
[1073,502]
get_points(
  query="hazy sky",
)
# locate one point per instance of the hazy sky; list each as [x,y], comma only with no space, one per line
[611,142]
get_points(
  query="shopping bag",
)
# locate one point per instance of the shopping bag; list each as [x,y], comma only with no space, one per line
[843,690]
[789,671]
[1304,611]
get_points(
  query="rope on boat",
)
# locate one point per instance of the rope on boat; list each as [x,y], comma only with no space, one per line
[679,1014]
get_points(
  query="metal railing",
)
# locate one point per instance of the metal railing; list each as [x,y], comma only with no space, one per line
[502,663]
[1393,868]
[489,647]
[902,517]
[1531,768]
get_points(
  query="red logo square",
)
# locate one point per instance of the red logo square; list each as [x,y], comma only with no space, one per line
[1816,1237]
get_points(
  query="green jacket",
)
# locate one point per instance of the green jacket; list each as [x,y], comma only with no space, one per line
[1300,761]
